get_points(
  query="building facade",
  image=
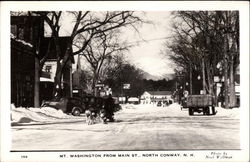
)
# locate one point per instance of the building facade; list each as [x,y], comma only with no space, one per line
[30,84]
[152,97]
[26,32]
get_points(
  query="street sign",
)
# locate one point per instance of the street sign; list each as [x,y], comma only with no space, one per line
[126,86]
[75,91]
[216,79]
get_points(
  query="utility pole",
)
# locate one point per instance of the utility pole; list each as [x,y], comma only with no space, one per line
[203,76]
[190,79]
[36,83]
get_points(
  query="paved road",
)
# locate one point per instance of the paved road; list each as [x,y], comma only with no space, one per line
[141,128]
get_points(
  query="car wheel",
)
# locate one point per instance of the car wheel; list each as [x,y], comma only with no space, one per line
[76,111]
[204,110]
[190,111]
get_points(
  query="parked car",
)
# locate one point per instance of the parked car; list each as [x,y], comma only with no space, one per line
[78,105]
[69,105]
[159,103]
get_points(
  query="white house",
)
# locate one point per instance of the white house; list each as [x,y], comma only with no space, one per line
[150,97]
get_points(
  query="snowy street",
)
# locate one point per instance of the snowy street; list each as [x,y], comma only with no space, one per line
[137,127]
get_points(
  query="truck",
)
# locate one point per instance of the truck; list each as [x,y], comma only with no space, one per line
[200,103]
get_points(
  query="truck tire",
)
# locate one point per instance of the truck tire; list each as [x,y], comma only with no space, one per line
[213,110]
[206,111]
[190,111]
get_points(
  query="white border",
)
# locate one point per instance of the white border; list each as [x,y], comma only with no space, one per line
[6,7]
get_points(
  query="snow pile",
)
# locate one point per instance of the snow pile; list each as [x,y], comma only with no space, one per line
[21,41]
[28,115]
[176,109]
[128,106]
[234,112]
[174,106]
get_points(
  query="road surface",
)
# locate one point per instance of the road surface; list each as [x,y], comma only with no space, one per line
[136,128]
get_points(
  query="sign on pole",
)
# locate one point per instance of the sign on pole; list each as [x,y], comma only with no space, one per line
[99,85]
[216,79]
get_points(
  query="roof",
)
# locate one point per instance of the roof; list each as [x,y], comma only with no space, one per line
[63,41]
[159,93]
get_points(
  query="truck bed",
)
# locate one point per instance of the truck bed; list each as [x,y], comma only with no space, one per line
[199,101]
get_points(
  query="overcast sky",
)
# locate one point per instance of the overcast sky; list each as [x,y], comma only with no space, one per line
[147,55]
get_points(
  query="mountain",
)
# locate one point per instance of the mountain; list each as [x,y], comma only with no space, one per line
[168,76]
[148,76]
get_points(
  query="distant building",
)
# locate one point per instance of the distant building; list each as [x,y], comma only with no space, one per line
[151,97]
[133,100]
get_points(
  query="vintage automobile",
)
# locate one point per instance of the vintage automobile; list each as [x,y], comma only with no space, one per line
[159,103]
[78,105]
[200,103]
[68,105]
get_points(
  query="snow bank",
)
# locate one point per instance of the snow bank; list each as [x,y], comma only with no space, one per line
[234,112]
[175,106]
[21,41]
[28,115]
[176,110]
[128,106]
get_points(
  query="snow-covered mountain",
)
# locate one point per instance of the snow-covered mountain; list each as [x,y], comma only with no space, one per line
[149,76]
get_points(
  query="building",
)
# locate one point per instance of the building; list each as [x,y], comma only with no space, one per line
[22,73]
[28,47]
[133,100]
[152,97]
[49,69]
[25,34]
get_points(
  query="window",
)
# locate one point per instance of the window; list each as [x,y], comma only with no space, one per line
[20,33]
[48,68]
[14,30]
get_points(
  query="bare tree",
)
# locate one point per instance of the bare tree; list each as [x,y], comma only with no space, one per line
[88,25]
[229,21]
[100,51]
[204,39]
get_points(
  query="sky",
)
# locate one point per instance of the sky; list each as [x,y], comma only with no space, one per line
[146,54]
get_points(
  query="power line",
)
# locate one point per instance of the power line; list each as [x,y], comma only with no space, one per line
[149,40]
